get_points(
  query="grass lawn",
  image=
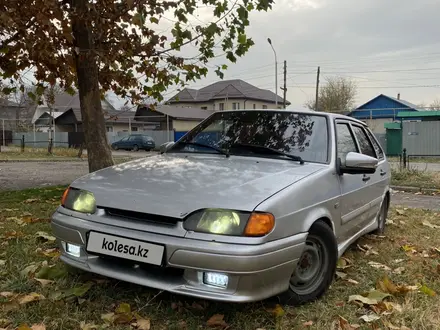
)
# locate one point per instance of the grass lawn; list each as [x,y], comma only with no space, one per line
[403,267]
[415,178]
[14,153]
[417,159]
[70,154]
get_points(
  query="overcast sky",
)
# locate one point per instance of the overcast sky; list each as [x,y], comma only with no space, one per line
[388,47]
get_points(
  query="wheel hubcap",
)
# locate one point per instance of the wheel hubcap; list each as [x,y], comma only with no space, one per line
[311,267]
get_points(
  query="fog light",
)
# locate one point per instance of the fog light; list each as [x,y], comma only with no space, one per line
[216,279]
[73,250]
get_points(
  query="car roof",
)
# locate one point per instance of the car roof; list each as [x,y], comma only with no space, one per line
[308,112]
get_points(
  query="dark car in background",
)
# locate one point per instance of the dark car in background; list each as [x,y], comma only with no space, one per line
[135,142]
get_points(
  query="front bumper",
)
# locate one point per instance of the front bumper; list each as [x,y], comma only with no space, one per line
[255,272]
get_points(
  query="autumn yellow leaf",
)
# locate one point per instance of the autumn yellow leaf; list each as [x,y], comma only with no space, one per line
[143,324]
[217,320]
[30,298]
[278,311]
[44,282]
[40,326]
[427,291]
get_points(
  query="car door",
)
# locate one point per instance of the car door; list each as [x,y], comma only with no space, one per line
[380,179]
[354,203]
[371,190]
[123,143]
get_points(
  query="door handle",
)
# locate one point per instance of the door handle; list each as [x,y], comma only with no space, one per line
[382,172]
[366,178]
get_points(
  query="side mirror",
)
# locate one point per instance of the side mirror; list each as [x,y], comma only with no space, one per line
[165,146]
[356,163]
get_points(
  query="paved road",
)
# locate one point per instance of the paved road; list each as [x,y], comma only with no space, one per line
[416,201]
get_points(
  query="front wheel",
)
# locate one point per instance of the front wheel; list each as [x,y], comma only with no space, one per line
[316,267]
[135,147]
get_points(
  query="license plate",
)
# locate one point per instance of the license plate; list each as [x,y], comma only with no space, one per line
[125,248]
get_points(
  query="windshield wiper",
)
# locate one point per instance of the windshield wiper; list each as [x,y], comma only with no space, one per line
[221,151]
[263,149]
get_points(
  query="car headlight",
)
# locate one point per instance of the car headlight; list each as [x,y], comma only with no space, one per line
[79,200]
[229,222]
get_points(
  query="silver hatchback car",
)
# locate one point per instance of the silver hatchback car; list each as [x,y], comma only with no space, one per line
[250,204]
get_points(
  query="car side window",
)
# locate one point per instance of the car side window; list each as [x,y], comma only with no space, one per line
[376,145]
[345,141]
[132,138]
[364,141]
[124,139]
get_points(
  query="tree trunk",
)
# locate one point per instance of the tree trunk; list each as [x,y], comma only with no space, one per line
[98,150]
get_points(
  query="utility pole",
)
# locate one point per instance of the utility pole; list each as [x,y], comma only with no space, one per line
[317,89]
[285,87]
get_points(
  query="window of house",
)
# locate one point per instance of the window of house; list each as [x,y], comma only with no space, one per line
[255,106]
[364,142]
[264,106]
[221,106]
[235,106]
[109,128]
[204,108]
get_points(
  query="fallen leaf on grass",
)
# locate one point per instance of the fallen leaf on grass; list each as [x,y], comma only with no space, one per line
[13,234]
[30,269]
[427,291]
[5,323]
[430,225]
[278,311]
[369,318]
[400,212]
[31,200]
[343,324]
[6,294]
[386,285]
[217,320]
[44,282]
[30,298]
[78,292]
[370,298]
[399,270]
[341,275]
[398,261]
[87,326]
[51,253]
[378,265]
[143,324]
[2,262]
[51,272]
[16,220]
[409,248]
[344,263]
[45,236]
[308,324]
[350,280]
[40,326]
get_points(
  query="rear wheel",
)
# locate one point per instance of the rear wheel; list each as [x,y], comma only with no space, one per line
[316,267]
[135,147]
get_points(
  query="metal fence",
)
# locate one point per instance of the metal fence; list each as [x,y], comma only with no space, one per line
[421,138]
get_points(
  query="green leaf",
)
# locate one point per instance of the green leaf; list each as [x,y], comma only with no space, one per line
[154,20]
[123,308]
[242,39]
[224,67]
[51,273]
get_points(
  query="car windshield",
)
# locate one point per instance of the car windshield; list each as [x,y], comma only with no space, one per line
[260,133]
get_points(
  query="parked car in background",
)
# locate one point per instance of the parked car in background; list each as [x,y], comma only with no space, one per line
[135,142]
[248,205]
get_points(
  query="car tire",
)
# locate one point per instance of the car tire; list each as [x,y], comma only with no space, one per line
[382,217]
[135,147]
[317,263]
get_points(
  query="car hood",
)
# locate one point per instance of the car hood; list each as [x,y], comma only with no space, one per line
[175,185]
